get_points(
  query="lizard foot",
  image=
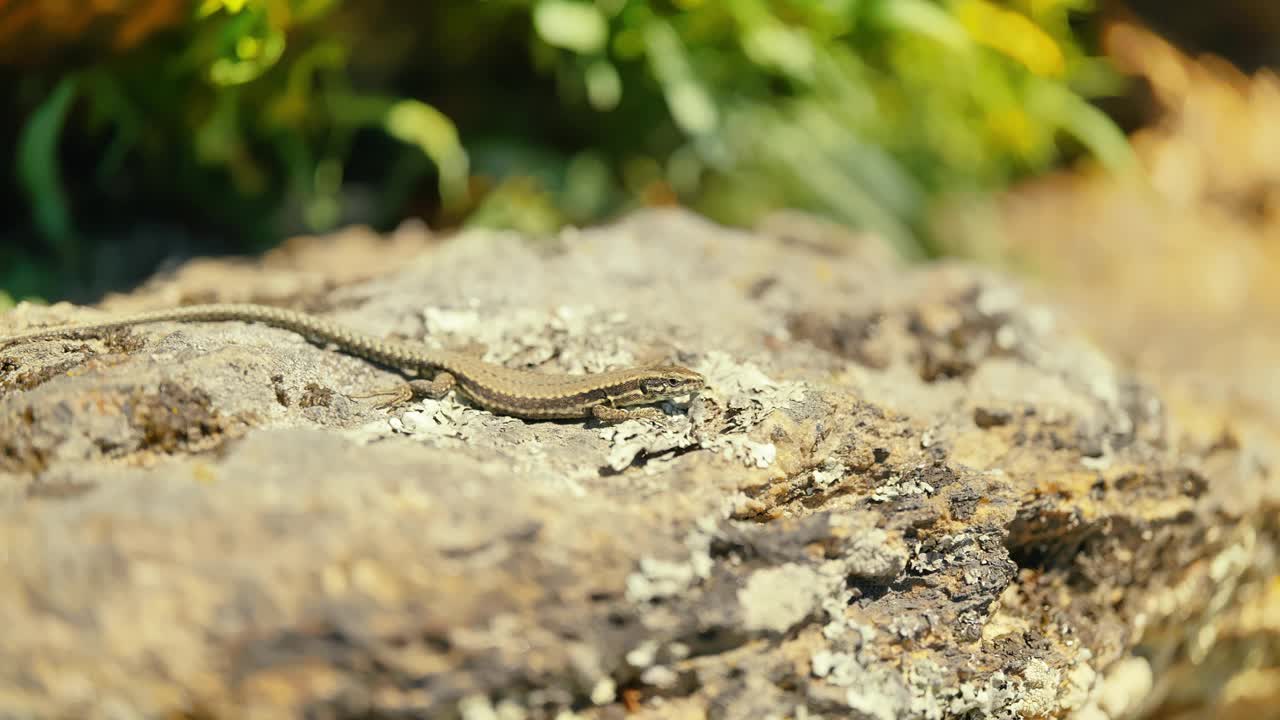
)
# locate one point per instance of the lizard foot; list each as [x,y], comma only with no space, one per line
[399,395]
[413,389]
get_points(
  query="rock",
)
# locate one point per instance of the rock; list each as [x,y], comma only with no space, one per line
[203,519]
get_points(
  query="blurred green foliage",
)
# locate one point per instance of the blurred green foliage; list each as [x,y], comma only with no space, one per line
[252,115]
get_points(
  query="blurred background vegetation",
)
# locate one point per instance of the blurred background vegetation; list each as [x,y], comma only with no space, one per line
[148,130]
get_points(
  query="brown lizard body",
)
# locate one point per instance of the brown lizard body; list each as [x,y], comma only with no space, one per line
[519,393]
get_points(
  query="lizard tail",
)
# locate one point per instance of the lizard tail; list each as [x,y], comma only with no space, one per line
[311,327]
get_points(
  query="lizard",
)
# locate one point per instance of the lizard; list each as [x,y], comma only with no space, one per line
[610,396]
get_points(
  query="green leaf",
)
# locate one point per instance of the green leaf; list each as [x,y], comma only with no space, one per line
[249,47]
[37,167]
[604,85]
[419,124]
[923,17]
[575,26]
[689,101]
[1058,105]
[774,45]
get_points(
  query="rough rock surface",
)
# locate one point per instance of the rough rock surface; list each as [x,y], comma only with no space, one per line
[907,492]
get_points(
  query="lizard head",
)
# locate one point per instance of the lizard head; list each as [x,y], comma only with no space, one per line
[666,382]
